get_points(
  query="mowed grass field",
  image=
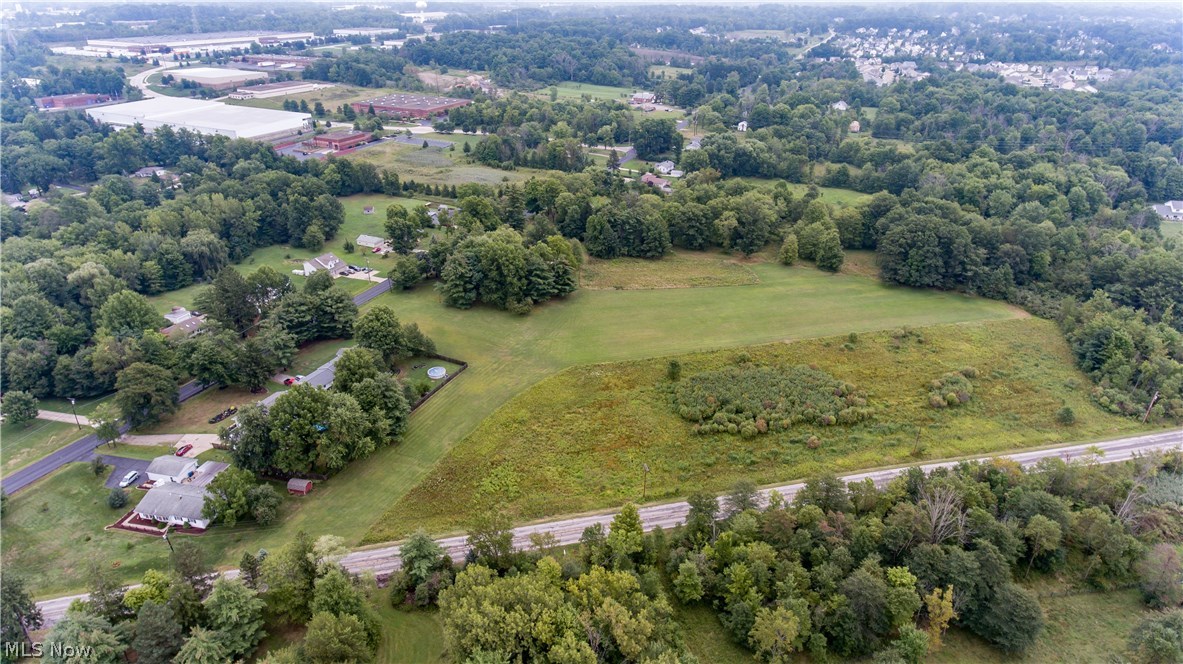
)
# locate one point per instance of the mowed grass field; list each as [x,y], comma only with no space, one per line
[22,445]
[507,354]
[437,166]
[570,90]
[578,440]
[679,269]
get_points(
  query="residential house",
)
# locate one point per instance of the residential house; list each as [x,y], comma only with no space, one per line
[329,262]
[855,127]
[654,181]
[640,98]
[742,126]
[174,504]
[840,106]
[171,468]
[369,241]
[1172,210]
[184,322]
[665,167]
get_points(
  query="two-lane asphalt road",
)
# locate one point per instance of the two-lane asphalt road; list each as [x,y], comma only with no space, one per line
[384,560]
[83,448]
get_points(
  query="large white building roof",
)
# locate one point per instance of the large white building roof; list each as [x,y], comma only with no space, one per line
[205,117]
[215,74]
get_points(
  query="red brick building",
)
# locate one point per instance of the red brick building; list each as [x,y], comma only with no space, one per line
[409,105]
[76,100]
[342,140]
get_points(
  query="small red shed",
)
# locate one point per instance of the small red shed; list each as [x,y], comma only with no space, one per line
[299,487]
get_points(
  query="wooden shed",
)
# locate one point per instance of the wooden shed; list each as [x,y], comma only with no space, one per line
[299,487]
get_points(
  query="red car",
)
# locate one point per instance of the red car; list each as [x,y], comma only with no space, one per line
[289,381]
[183,450]
[377,250]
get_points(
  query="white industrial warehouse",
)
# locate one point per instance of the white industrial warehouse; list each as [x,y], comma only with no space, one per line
[217,78]
[204,117]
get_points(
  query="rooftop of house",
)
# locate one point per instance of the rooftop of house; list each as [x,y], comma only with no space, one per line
[170,464]
[184,501]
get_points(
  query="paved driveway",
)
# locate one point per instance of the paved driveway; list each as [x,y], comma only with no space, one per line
[122,465]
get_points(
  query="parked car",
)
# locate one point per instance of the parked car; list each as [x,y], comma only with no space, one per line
[289,381]
[183,450]
[129,479]
[377,250]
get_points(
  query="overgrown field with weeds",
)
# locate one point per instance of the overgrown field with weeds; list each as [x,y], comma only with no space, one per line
[580,439]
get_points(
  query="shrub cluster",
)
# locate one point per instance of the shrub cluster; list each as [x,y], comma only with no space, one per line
[952,389]
[751,400]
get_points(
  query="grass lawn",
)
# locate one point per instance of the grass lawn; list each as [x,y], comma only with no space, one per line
[665,71]
[22,445]
[1081,626]
[331,98]
[84,406]
[1172,229]
[570,90]
[60,524]
[317,353]
[408,372]
[704,635]
[679,269]
[831,195]
[408,637]
[182,297]
[436,166]
[193,417]
[147,452]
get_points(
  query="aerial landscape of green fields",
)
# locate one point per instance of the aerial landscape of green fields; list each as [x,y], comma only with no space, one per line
[573,333]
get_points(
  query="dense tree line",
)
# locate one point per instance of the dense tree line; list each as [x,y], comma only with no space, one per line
[538,58]
[838,570]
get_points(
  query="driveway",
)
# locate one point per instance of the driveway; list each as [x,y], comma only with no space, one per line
[201,442]
[122,465]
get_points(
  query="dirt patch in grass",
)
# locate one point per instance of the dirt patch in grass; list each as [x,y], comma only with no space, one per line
[680,269]
[577,441]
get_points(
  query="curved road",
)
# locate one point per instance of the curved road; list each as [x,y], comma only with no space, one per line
[384,560]
[83,448]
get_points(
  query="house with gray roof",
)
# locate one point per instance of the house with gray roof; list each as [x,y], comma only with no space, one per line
[171,468]
[1172,210]
[175,504]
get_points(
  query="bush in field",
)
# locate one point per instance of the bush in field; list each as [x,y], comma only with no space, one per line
[952,389]
[751,400]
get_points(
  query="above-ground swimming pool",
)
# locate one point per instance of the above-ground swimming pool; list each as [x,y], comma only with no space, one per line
[436,373]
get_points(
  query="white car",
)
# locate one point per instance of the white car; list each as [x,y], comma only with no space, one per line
[129,479]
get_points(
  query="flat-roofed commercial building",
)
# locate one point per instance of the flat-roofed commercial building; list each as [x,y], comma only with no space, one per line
[342,140]
[217,78]
[409,105]
[197,42]
[204,117]
[74,100]
[265,90]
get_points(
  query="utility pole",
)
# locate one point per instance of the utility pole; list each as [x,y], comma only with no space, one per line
[1148,408]
[75,411]
[167,541]
[644,481]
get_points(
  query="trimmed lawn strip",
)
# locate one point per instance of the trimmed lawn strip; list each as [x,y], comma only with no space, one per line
[679,269]
[22,445]
[194,415]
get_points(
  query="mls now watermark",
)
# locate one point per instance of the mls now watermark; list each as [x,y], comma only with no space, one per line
[23,649]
